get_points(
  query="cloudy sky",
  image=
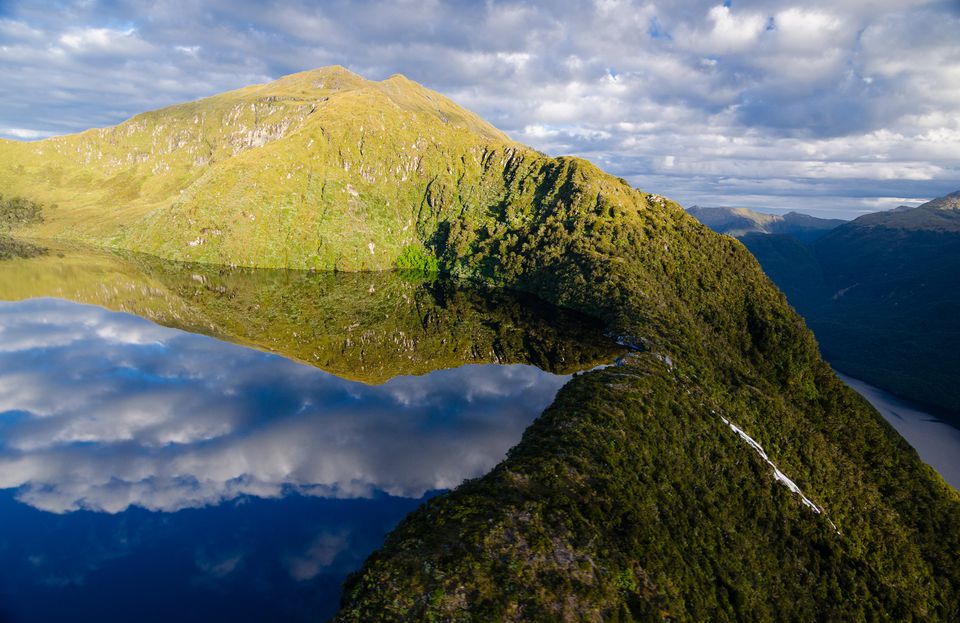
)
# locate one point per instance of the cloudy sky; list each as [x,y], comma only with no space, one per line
[834,107]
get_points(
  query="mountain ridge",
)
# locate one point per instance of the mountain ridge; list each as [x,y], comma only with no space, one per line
[939,214]
[879,293]
[738,222]
[631,497]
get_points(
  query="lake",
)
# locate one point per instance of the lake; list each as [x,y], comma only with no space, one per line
[937,442]
[196,443]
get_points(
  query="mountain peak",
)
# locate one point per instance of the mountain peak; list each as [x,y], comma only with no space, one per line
[738,222]
[947,202]
[331,78]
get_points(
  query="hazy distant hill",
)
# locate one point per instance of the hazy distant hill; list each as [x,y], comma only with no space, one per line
[880,292]
[941,214]
[642,493]
[891,310]
[738,222]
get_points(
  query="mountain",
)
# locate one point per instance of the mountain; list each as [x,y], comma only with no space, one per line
[939,215]
[719,471]
[890,302]
[879,293]
[738,222]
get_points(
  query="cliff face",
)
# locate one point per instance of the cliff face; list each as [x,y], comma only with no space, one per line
[722,472]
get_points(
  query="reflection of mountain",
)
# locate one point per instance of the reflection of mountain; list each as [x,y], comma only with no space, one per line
[154,417]
[629,498]
[363,326]
[880,292]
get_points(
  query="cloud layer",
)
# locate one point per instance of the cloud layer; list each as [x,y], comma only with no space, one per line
[103,411]
[839,106]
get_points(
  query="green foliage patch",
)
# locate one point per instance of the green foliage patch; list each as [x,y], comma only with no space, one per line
[17,212]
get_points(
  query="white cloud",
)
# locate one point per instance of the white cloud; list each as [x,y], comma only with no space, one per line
[732,32]
[103,41]
[26,133]
[623,82]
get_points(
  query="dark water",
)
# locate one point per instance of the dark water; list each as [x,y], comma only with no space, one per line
[936,441]
[149,473]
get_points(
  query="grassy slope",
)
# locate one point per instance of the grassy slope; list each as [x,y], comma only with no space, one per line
[629,498]
[339,180]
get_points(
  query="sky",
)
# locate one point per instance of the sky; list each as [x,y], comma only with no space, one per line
[831,107]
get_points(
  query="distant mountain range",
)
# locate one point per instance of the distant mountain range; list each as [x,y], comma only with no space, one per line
[880,292]
[739,222]
[719,471]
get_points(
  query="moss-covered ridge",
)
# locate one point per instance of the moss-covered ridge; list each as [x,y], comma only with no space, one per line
[630,498]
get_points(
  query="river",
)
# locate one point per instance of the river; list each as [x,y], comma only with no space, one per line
[937,442]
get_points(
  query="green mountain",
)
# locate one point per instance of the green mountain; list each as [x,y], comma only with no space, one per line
[889,314]
[879,293]
[720,472]
[738,222]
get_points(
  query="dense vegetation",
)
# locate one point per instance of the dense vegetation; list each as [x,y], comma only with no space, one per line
[880,295]
[11,248]
[683,521]
[17,212]
[630,498]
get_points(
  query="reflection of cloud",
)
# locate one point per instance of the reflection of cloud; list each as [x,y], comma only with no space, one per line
[88,553]
[102,411]
[217,568]
[320,555]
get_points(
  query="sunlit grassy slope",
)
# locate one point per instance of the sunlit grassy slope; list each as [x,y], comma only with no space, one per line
[630,498]
[317,170]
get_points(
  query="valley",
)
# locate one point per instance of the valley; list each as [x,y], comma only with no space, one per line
[628,497]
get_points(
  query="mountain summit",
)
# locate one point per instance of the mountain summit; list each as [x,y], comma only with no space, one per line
[719,471]
[315,170]
[738,222]
[947,202]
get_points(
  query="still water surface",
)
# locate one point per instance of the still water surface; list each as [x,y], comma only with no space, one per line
[152,473]
[936,441]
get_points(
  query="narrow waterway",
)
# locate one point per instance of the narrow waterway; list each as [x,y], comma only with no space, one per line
[937,442]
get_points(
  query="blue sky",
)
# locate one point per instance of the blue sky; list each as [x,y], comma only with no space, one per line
[830,107]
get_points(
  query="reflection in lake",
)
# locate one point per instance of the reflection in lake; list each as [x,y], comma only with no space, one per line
[364,326]
[105,410]
[937,442]
[151,473]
